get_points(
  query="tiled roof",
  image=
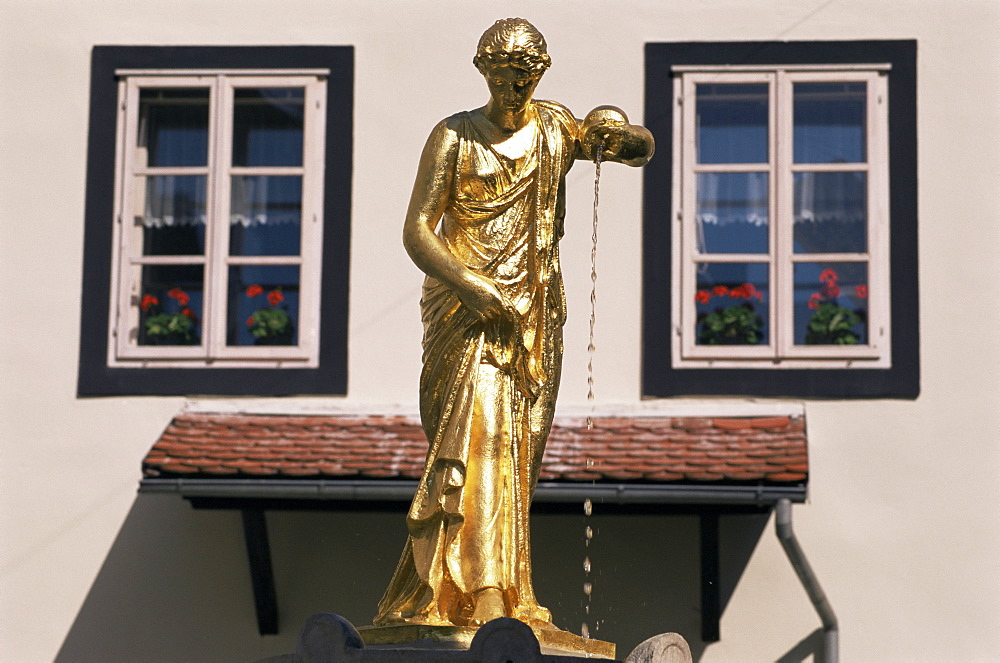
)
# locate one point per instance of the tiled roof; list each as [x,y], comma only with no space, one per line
[616,449]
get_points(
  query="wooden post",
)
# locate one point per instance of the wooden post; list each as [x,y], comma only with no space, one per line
[711,593]
[261,574]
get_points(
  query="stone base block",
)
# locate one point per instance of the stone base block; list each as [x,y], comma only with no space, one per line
[550,641]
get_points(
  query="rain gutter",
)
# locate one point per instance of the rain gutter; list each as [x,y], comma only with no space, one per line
[402,491]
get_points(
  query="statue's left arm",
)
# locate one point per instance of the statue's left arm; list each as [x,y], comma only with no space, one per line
[630,144]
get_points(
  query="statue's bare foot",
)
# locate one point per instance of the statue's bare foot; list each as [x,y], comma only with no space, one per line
[489,605]
[534,615]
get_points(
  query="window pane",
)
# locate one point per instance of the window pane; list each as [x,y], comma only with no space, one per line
[267,126]
[173,215]
[829,122]
[170,307]
[732,304]
[732,212]
[266,216]
[173,126]
[831,212]
[831,303]
[732,123]
[263,305]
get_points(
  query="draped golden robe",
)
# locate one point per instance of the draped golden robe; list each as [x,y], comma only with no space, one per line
[487,391]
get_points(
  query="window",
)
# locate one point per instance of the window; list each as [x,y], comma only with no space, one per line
[781,256]
[226,230]
[781,260]
[215,263]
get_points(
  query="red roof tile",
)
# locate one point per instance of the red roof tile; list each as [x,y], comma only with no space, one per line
[616,449]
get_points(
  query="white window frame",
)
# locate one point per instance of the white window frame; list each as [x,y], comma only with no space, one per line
[124,318]
[780,352]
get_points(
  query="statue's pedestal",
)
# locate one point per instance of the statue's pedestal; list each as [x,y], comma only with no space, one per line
[552,642]
[329,638]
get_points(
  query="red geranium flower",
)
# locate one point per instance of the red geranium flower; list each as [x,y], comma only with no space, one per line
[830,290]
[182,297]
[147,301]
[828,275]
[737,293]
[702,296]
[254,290]
[814,300]
[749,290]
[187,313]
[861,291]
[275,297]
[720,291]
[250,321]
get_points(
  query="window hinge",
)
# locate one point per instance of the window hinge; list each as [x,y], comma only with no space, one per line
[680,215]
[119,219]
[680,101]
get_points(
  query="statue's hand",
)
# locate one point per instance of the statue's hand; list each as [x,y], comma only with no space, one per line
[605,125]
[480,294]
[610,137]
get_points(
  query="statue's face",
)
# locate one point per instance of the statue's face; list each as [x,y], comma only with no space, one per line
[511,88]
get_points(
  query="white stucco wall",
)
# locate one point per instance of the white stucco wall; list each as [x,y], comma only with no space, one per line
[903,527]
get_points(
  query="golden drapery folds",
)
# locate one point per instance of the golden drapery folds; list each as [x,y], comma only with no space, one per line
[488,388]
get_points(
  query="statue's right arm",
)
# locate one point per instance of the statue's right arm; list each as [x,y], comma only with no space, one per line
[429,199]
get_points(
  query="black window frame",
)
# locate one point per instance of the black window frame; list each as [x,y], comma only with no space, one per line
[95,377]
[659,377]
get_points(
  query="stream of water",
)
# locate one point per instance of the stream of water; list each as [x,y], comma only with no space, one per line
[588,505]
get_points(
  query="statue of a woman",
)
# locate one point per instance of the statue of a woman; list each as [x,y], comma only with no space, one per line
[493,308]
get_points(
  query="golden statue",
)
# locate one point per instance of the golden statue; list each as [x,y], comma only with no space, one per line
[483,223]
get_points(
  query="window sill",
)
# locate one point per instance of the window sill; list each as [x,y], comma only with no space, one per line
[782,364]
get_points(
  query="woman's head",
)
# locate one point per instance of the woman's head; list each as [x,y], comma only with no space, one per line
[512,58]
[515,43]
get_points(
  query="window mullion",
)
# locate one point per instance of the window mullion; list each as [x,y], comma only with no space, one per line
[829,168]
[688,207]
[784,300]
[216,231]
